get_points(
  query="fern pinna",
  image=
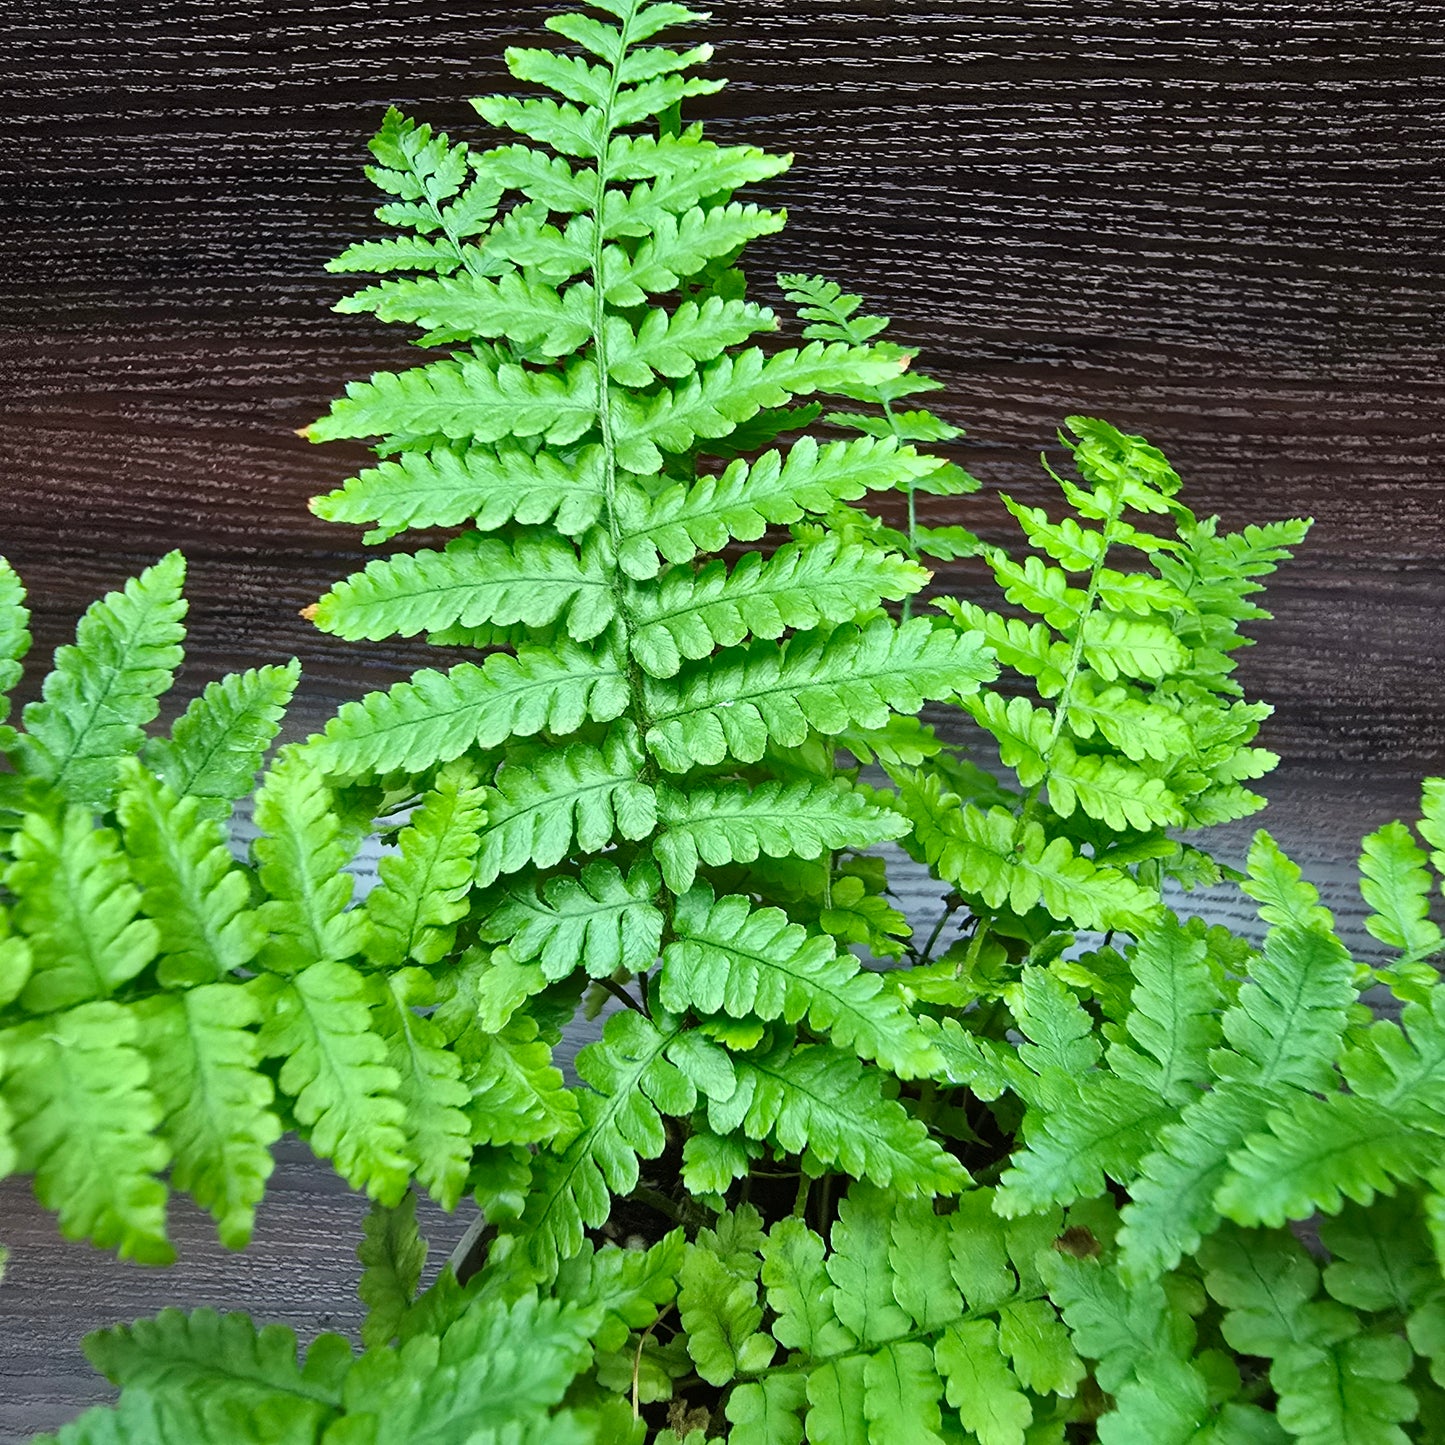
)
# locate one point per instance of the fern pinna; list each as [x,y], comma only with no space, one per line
[649,725]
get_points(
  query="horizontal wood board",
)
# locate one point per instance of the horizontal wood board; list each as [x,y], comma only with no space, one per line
[1220,225]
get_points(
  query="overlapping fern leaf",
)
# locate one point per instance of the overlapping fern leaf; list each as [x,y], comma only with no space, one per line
[1122,724]
[128,1043]
[165,1010]
[649,720]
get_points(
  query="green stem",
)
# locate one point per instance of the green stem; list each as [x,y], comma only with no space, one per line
[951,906]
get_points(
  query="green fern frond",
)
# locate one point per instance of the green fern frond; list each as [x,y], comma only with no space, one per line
[195,895]
[76,904]
[470,399]
[546,805]
[1312,1153]
[217,744]
[77,1087]
[421,895]
[392,1254]
[734,823]
[823,1100]
[436,717]
[989,854]
[335,1070]
[105,687]
[1396,887]
[600,921]
[218,1121]
[1334,1385]
[301,859]
[495,1375]
[731,958]
[1285,1032]
[229,1370]
[476,581]
[487,487]
[517,1093]
[430,1085]
[728,391]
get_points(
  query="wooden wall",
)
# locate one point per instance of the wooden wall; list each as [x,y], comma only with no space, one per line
[1220,224]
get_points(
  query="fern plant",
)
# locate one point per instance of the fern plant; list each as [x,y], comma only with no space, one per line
[1034,1190]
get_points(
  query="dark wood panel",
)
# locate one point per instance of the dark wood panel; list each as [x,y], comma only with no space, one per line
[1217,224]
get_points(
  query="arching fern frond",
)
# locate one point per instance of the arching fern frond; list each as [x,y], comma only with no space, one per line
[335,1071]
[77,905]
[688,615]
[731,958]
[218,1121]
[197,898]
[14,643]
[83,1125]
[630,1083]
[488,486]
[301,859]
[600,921]
[414,910]
[854,676]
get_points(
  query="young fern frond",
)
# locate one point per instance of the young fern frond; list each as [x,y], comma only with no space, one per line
[1129,724]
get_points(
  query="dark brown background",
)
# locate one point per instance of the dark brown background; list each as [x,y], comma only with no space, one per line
[1219,224]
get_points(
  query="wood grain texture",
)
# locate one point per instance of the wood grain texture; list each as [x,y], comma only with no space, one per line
[1220,225]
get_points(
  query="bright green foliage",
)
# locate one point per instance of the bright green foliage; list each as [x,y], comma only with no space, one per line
[83,1122]
[649,740]
[737,824]
[413,912]
[197,897]
[301,860]
[105,687]
[1020,1187]
[216,745]
[336,1071]
[731,958]
[600,921]
[1130,722]
[392,1255]
[218,1121]
[632,1084]
[909,1325]
[75,902]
